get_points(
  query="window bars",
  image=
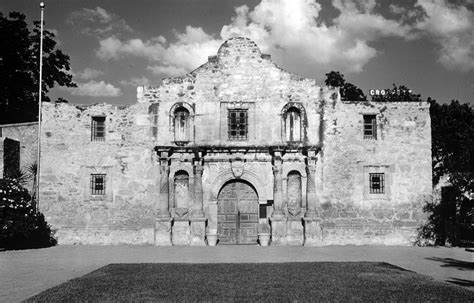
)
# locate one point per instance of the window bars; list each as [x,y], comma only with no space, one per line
[97,184]
[98,129]
[237,124]
[377,183]
[370,127]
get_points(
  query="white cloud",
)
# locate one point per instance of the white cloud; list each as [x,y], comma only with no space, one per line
[452,27]
[290,32]
[172,71]
[98,21]
[89,73]
[95,89]
[188,52]
[135,81]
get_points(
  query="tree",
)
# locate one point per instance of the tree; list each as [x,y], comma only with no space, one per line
[349,91]
[397,93]
[19,63]
[452,133]
[21,225]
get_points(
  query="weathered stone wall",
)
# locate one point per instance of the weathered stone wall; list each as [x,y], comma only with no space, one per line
[238,77]
[163,189]
[27,135]
[125,214]
[402,151]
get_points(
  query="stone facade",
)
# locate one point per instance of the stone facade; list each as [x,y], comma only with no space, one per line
[234,148]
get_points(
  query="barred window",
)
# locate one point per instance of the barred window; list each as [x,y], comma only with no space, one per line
[237,124]
[98,129]
[377,183]
[97,184]
[370,127]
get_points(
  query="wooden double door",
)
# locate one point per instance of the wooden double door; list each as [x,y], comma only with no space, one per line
[237,213]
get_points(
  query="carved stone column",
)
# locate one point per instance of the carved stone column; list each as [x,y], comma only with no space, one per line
[278,219]
[278,186]
[311,194]
[313,231]
[197,218]
[163,220]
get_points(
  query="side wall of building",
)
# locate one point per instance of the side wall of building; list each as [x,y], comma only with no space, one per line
[401,152]
[125,213]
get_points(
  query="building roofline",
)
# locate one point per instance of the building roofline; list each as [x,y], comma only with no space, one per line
[19,124]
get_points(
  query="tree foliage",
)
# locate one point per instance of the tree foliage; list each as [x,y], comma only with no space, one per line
[348,90]
[452,135]
[21,225]
[19,63]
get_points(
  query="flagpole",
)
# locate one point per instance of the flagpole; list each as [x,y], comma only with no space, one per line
[39,108]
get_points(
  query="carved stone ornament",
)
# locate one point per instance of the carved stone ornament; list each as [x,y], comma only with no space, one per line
[294,211]
[180,212]
[237,168]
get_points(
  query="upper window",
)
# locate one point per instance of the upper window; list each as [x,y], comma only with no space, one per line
[293,125]
[370,127]
[237,124]
[181,125]
[98,184]
[377,183]
[98,129]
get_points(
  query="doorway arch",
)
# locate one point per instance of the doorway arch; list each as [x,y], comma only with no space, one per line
[237,213]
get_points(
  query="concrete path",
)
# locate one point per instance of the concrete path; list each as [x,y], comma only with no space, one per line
[28,272]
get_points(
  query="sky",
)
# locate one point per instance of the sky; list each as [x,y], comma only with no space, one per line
[115,45]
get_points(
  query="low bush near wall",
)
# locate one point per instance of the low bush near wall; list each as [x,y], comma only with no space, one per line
[21,226]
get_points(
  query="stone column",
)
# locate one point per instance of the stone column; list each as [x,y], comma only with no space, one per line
[278,186]
[197,218]
[278,219]
[312,199]
[313,231]
[163,220]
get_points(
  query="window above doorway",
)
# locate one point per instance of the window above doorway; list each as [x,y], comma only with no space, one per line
[237,120]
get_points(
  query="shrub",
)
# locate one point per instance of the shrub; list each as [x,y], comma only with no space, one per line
[21,225]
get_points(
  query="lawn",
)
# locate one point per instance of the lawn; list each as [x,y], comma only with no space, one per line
[321,281]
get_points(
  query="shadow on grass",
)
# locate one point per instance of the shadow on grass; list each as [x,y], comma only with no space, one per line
[448,262]
[270,282]
[461,282]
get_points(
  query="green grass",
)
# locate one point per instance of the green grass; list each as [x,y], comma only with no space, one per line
[324,281]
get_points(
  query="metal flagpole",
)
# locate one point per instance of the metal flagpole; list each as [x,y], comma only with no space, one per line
[39,109]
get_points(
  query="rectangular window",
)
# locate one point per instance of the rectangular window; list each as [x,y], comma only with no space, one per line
[98,129]
[377,183]
[237,124]
[98,184]
[370,127]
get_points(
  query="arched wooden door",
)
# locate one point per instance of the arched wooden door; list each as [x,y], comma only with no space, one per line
[237,213]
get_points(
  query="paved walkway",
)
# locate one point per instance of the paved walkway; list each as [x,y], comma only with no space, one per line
[28,272]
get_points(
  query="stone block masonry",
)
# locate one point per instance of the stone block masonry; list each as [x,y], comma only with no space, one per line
[236,143]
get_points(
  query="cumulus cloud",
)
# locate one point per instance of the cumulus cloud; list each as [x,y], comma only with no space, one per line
[95,89]
[98,21]
[289,29]
[286,29]
[135,81]
[169,70]
[453,28]
[188,52]
[293,33]
[89,73]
